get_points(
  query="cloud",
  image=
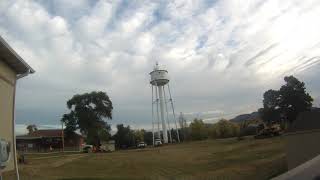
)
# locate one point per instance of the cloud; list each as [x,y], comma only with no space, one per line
[221,55]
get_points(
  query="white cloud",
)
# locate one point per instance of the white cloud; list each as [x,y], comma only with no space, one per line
[93,26]
[221,54]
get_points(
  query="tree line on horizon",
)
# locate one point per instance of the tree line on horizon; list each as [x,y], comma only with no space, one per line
[89,113]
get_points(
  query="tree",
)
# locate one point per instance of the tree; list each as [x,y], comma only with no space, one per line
[148,137]
[224,129]
[124,137]
[88,113]
[287,102]
[271,111]
[139,135]
[198,130]
[31,128]
[294,98]
[183,132]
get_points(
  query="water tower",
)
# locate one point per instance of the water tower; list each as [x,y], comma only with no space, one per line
[160,114]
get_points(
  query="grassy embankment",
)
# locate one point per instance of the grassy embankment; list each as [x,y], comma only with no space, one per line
[201,160]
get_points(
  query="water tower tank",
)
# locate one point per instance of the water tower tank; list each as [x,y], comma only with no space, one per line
[159,77]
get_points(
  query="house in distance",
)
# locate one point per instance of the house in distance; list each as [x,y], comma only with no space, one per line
[47,140]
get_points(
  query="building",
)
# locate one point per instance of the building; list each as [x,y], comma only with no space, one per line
[12,67]
[47,140]
[302,138]
[108,146]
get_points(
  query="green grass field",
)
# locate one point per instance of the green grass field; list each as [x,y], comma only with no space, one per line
[201,160]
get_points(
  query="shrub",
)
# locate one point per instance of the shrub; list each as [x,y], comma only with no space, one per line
[224,129]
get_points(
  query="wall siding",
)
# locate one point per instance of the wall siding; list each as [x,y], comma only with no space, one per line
[7,82]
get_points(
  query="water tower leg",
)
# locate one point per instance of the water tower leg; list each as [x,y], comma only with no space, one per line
[174,114]
[164,127]
[158,117]
[167,113]
[152,103]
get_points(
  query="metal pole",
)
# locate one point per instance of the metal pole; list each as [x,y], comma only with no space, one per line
[164,126]
[158,118]
[174,115]
[166,104]
[62,134]
[152,115]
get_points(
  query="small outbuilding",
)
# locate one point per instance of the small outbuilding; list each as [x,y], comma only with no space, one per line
[46,140]
[108,146]
[303,138]
[12,67]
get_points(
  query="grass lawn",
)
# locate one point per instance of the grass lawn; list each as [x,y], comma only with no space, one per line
[200,160]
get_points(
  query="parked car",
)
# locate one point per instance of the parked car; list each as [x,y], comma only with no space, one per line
[157,142]
[141,145]
[87,148]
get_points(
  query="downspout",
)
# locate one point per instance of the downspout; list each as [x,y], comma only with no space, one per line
[19,76]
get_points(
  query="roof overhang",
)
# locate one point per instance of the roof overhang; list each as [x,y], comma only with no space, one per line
[27,137]
[12,59]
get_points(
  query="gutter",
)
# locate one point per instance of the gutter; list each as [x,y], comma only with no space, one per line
[30,71]
[2,41]
[19,76]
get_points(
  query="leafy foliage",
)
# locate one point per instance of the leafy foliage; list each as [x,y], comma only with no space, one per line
[184,133]
[286,103]
[294,98]
[88,113]
[31,128]
[124,137]
[224,129]
[198,130]
[148,137]
[138,135]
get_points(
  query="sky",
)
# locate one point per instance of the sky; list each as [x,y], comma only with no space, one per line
[221,55]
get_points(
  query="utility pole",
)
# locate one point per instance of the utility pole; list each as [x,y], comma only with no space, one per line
[62,135]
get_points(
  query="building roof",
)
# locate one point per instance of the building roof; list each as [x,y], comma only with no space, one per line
[48,133]
[10,57]
[27,137]
[44,133]
[309,120]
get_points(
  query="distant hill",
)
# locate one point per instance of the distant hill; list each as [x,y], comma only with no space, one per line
[255,115]
[245,117]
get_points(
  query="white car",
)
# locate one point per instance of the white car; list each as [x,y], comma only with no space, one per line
[141,145]
[157,142]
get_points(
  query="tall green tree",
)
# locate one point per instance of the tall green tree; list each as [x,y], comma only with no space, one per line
[124,136]
[271,111]
[198,130]
[294,98]
[286,103]
[148,137]
[88,113]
